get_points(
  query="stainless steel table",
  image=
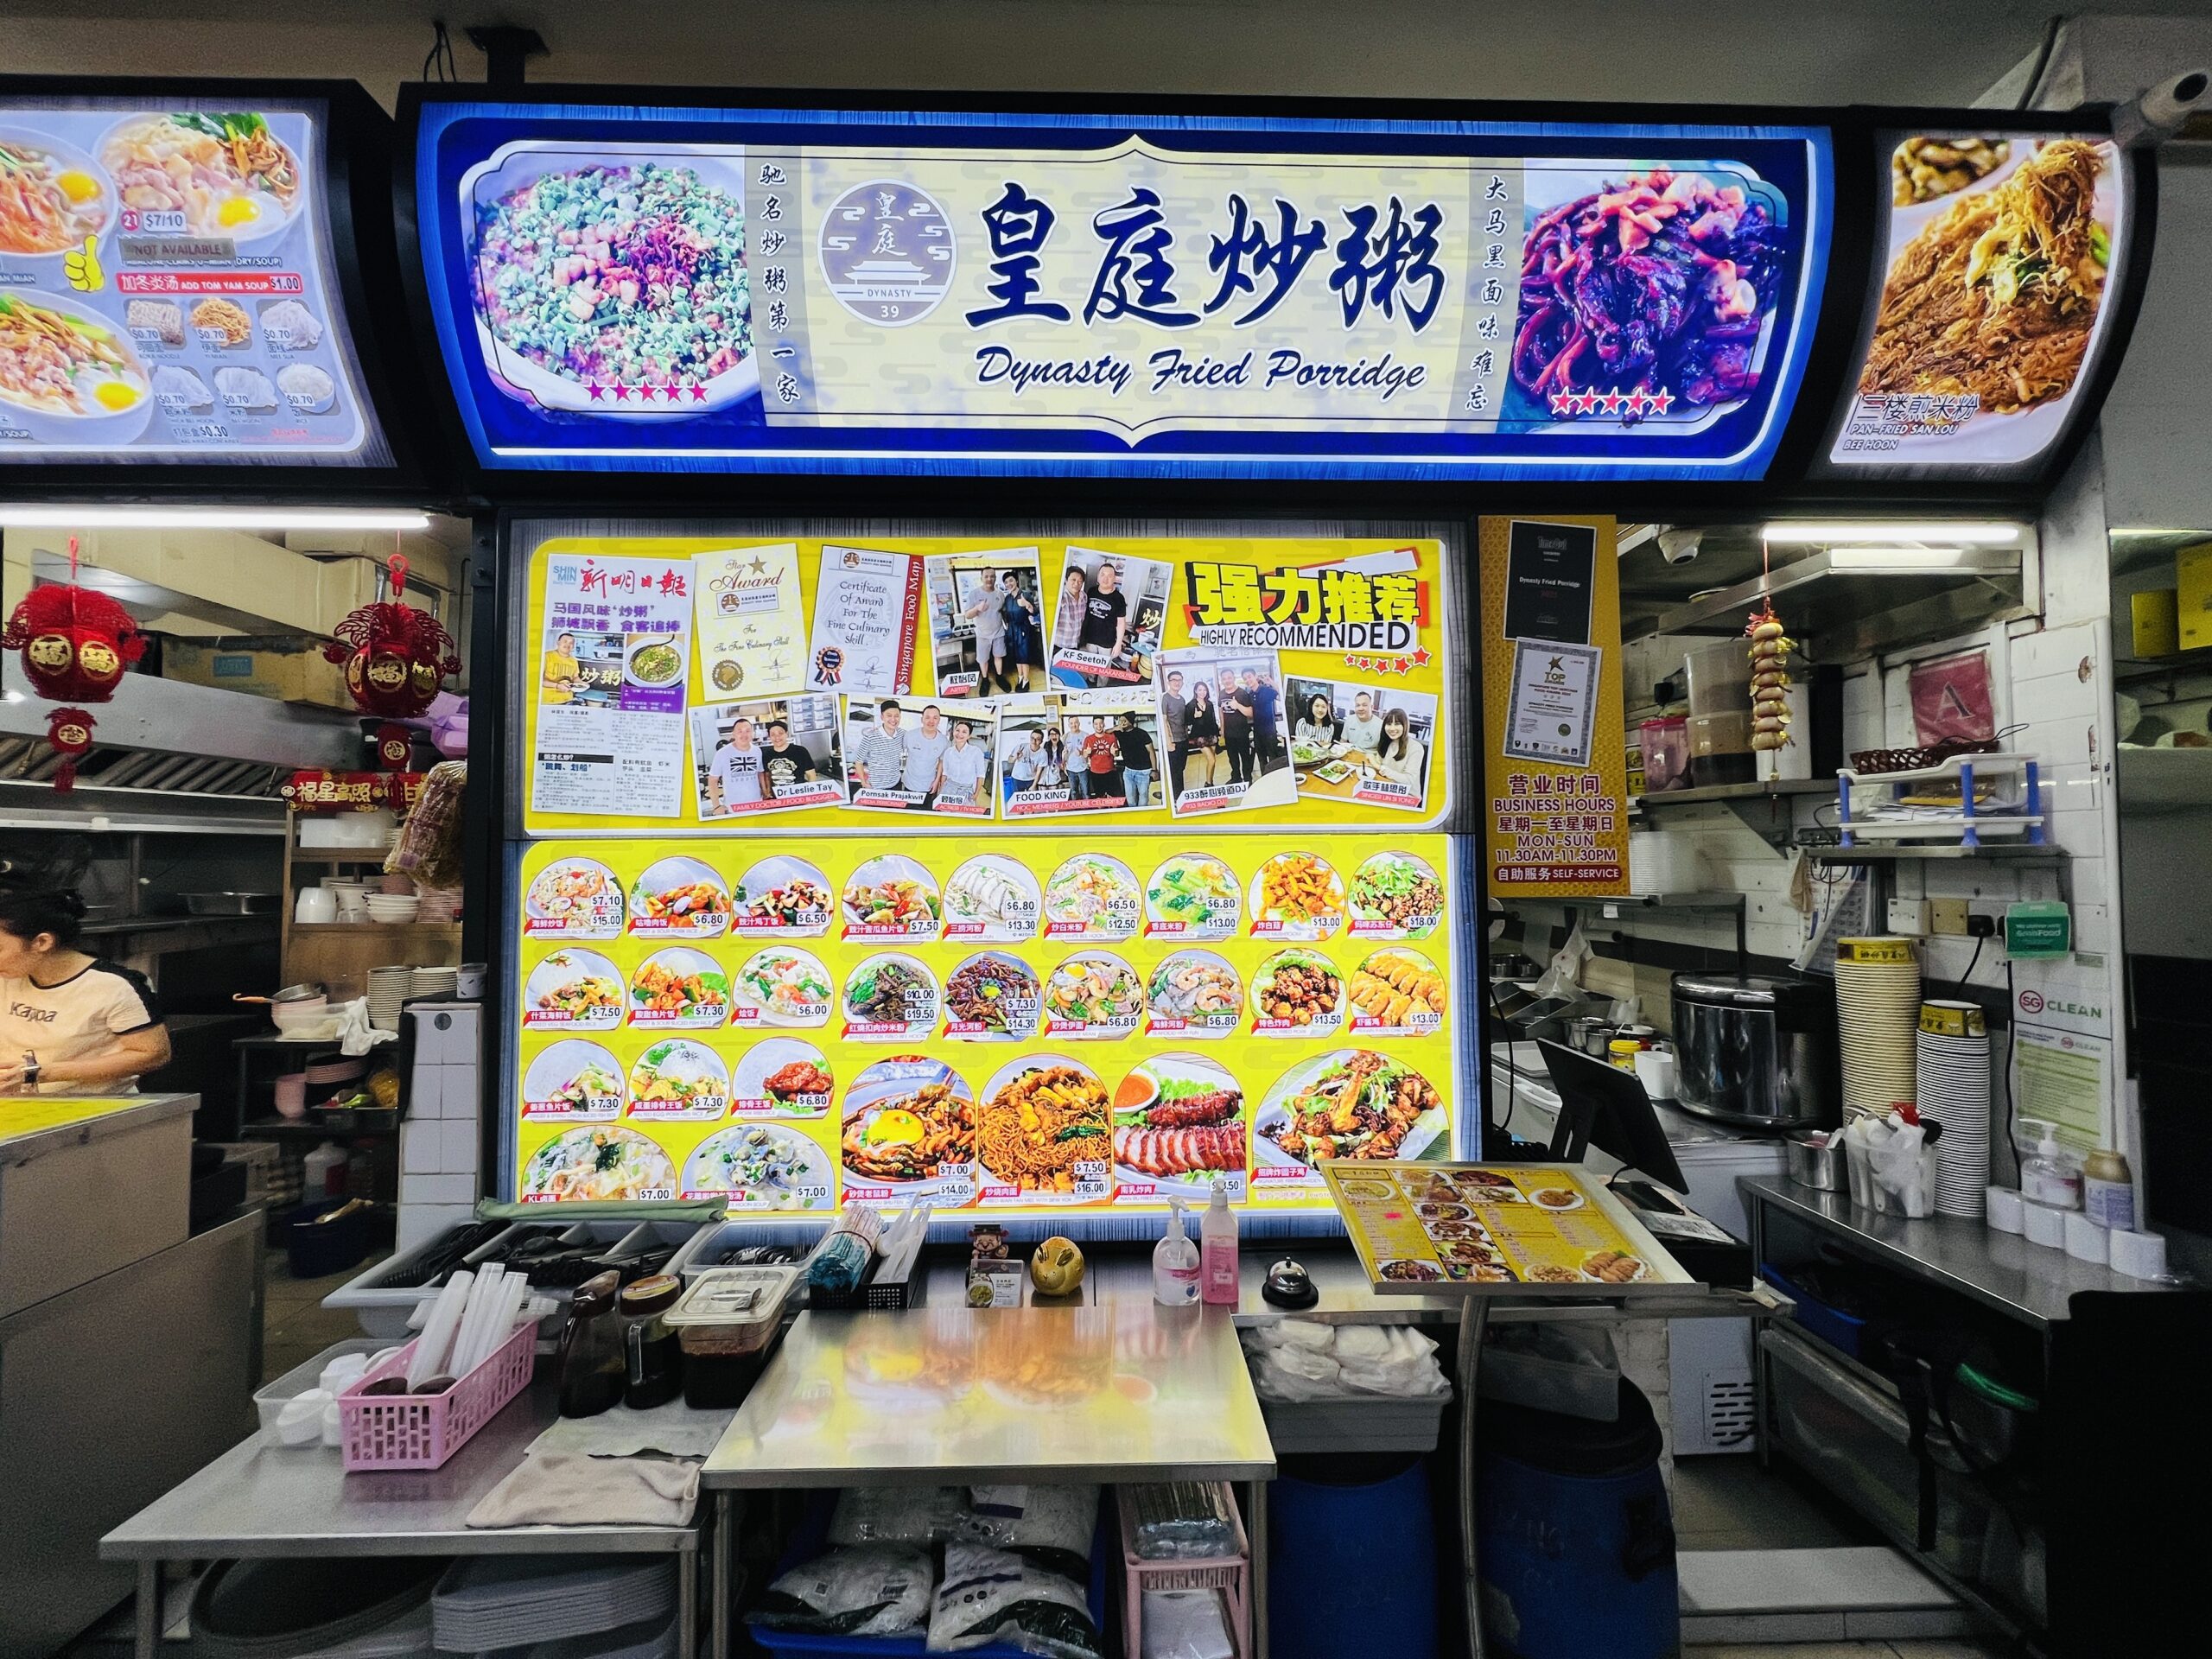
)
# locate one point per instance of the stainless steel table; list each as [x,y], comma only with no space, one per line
[259,1502]
[1116,1391]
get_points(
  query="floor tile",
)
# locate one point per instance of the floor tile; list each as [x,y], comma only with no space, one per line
[1787,1650]
[1915,1649]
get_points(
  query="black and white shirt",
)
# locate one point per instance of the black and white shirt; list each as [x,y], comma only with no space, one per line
[78,1018]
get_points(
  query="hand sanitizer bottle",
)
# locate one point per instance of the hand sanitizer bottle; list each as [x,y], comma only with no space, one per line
[1218,1250]
[1175,1264]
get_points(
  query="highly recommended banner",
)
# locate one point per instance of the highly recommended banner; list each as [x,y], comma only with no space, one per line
[1555,767]
[639,289]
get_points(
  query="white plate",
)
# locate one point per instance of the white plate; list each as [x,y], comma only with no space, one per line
[1220,1023]
[774,1007]
[1022,1006]
[919,1019]
[1274,1113]
[999,1079]
[666,876]
[1424,923]
[687,1060]
[890,1080]
[1273,923]
[1018,901]
[560,1064]
[773,875]
[562,968]
[892,867]
[1091,896]
[1198,1073]
[653,1178]
[1323,1025]
[805,1183]
[680,961]
[1215,918]
[749,1081]
[1082,965]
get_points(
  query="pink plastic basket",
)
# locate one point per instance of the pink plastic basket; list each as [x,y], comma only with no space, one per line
[420,1431]
[1230,1574]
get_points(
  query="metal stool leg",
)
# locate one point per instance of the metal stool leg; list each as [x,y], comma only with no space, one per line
[1474,1319]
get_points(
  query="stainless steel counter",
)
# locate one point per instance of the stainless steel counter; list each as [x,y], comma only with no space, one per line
[265,1502]
[1122,1390]
[2002,1270]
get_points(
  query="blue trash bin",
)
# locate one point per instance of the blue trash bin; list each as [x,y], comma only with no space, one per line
[1574,1535]
[1351,1559]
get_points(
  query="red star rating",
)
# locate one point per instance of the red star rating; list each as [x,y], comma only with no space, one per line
[598,392]
[1421,657]
[1562,403]
[1611,401]
[698,394]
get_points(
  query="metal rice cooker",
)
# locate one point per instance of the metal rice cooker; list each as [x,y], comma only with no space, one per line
[1756,1049]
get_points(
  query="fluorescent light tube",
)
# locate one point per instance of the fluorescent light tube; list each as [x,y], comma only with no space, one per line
[1847,533]
[64,517]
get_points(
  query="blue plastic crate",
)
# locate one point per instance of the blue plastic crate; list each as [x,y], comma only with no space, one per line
[813,1537]
[1833,1325]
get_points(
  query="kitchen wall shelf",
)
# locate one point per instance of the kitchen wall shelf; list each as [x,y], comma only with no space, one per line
[1618,907]
[2011,852]
[1763,807]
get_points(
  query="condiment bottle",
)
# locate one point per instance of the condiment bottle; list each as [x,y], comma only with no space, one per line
[2108,1190]
[1175,1264]
[1217,1269]
[2048,1176]
[653,1368]
[592,1364]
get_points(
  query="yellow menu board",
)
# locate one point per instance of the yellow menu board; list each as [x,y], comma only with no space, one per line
[1502,1226]
[1024,1024]
[892,686]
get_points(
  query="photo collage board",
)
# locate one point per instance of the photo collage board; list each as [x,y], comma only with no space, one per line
[869,944]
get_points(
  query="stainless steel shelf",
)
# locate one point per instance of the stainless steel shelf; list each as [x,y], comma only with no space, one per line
[2013,852]
[1738,791]
[1718,901]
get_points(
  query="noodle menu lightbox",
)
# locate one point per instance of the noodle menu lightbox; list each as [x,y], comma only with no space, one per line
[168,286]
[637,288]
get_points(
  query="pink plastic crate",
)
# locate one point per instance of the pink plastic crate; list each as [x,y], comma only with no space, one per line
[420,1431]
[1230,1574]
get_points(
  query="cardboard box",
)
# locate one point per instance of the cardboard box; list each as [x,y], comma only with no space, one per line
[287,676]
[2193,578]
[2155,613]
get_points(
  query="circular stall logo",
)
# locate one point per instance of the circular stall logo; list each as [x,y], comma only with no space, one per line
[887,252]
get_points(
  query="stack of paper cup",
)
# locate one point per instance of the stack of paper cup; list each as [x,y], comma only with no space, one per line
[1878,1013]
[1952,1079]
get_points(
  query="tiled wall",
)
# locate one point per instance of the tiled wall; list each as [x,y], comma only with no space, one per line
[439,1143]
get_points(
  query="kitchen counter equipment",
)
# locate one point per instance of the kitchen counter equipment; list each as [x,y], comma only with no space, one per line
[1756,1049]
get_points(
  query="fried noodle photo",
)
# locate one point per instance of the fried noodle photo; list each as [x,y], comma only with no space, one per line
[1996,298]
[1038,1126]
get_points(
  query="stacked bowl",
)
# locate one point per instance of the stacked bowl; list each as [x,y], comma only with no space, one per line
[1878,1016]
[393,908]
[434,982]
[1952,1074]
[389,987]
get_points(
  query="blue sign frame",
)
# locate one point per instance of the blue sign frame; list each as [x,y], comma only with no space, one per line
[509,434]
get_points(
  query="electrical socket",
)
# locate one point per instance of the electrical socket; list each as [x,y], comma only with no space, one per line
[1980,926]
[1947,915]
[1909,916]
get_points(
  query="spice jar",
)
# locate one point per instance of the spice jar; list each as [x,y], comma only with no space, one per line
[653,1370]
[592,1363]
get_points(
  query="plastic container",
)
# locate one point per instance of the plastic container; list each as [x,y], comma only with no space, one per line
[655,1357]
[422,1431]
[1845,1332]
[1666,743]
[727,1323]
[1230,1574]
[1720,677]
[1219,1285]
[1175,1281]
[1364,1528]
[1546,1368]
[2050,1173]
[592,1363]
[316,1250]
[324,1170]
[1574,1532]
[269,1398]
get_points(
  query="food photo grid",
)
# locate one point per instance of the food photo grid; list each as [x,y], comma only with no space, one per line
[908,679]
[1039,1026]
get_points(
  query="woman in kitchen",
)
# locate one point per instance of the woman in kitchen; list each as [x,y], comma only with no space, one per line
[70,1023]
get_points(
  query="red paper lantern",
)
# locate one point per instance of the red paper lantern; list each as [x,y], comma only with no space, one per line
[395,656]
[75,644]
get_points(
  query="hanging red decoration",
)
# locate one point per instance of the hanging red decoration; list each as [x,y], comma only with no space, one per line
[76,644]
[395,656]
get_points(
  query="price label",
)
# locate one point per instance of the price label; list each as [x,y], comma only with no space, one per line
[1091,1178]
[655,1194]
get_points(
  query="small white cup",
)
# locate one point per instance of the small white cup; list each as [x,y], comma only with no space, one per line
[1655,1070]
[315,905]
